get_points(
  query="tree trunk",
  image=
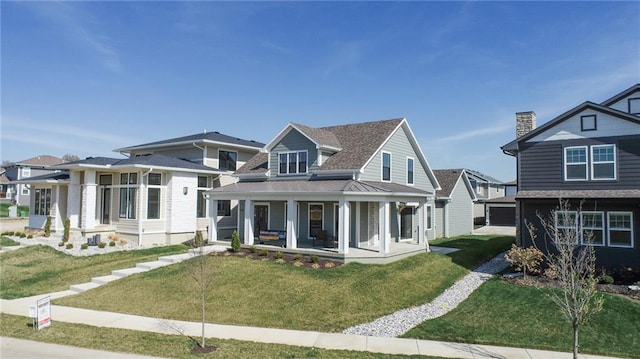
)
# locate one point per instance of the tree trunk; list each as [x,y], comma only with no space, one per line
[204,292]
[575,340]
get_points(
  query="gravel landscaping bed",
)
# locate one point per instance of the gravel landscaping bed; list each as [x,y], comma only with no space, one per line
[402,321]
[77,241]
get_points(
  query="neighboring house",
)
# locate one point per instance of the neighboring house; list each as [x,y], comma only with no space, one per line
[485,188]
[19,193]
[361,186]
[155,196]
[4,185]
[590,156]
[454,203]
[511,188]
[501,211]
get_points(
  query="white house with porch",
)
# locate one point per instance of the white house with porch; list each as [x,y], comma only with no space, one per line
[362,187]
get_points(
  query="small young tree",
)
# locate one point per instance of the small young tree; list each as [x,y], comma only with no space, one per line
[235,242]
[65,234]
[47,227]
[525,259]
[573,264]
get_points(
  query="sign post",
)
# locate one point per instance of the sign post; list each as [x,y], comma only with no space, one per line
[43,315]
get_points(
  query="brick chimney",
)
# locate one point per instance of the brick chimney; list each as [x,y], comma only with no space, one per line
[525,123]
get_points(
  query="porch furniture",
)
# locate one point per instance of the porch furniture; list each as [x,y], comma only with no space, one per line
[327,241]
[272,235]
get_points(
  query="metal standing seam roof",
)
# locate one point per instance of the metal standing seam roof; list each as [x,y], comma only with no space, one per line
[483,176]
[208,136]
[318,186]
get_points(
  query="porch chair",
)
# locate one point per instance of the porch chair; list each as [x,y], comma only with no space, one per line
[324,238]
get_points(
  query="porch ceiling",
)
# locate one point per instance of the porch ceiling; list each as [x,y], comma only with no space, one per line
[328,187]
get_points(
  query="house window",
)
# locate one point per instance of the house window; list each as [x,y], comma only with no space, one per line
[154,180]
[292,162]
[575,161]
[128,190]
[592,228]
[201,203]
[406,222]
[224,208]
[227,160]
[386,166]
[588,123]
[566,224]
[26,172]
[316,212]
[620,229]
[409,170]
[634,106]
[25,189]
[42,205]
[429,217]
[603,162]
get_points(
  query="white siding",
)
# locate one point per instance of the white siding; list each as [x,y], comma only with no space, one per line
[181,208]
[607,126]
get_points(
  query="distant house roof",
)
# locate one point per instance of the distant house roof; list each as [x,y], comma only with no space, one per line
[448,178]
[505,199]
[54,177]
[40,161]
[3,179]
[483,176]
[621,95]
[148,161]
[580,194]
[205,137]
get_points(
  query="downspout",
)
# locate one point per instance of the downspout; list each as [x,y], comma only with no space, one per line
[204,151]
[140,231]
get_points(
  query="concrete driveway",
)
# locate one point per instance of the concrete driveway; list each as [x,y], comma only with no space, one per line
[503,230]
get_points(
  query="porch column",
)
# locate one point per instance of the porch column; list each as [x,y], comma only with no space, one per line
[357,224]
[213,220]
[88,206]
[423,225]
[292,220]
[248,222]
[385,227]
[73,199]
[344,226]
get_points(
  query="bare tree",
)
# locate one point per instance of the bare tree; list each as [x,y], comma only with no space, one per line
[573,265]
[70,158]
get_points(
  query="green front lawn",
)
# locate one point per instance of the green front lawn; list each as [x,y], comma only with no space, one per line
[505,314]
[4,209]
[474,250]
[166,346]
[8,242]
[42,269]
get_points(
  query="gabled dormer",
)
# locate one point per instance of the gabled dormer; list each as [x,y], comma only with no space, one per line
[627,101]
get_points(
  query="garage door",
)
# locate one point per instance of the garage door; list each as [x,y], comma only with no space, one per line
[502,216]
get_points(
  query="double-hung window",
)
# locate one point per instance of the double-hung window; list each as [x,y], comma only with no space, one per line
[620,229]
[128,191]
[603,162]
[154,182]
[566,224]
[575,162]
[291,163]
[592,224]
[201,203]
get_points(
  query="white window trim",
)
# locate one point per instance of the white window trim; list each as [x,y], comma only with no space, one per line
[309,217]
[230,209]
[26,172]
[413,170]
[298,173]
[619,229]
[382,166]
[602,162]
[559,228]
[160,201]
[426,217]
[586,163]
[583,228]
[198,189]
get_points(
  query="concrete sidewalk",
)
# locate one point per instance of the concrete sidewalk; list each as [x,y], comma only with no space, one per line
[283,336]
[12,348]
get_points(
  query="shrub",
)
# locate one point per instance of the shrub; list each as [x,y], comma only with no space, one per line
[235,242]
[198,241]
[279,260]
[297,256]
[67,225]
[313,258]
[279,255]
[60,244]
[606,279]
[525,259]
[11,233]
[30,236]
[264,253]
[47,227]
[112,244]
[102,244]
[252,249]
[329,265]
[315,266]
[23,235]
[298,264]
[83,246]
[69,246]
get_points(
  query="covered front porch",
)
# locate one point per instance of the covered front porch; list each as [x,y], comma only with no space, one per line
[353,221]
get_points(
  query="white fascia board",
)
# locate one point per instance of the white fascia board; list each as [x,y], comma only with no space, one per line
[262,175]
[185,143]
[172,169]
[349,172]
[269,146]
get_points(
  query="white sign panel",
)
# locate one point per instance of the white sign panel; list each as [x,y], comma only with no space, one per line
[44,312]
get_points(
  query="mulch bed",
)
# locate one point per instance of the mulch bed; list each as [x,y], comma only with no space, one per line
[544,282]
[302,260]
[203,350]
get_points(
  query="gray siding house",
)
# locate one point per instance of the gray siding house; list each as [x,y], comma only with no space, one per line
[589,155]
[361,187]
[152,196]
[454,203]
[20,193]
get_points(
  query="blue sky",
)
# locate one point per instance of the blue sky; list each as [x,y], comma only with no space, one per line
[85,78]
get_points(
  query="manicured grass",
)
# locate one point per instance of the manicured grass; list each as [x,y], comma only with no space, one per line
[41,269]
[162,345]
[8,242]
[475,250]
[4,209]
[505,314]
[270,294]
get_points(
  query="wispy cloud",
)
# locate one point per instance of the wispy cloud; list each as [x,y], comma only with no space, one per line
[344,56]
[76,25]
[480,132]
[277,48]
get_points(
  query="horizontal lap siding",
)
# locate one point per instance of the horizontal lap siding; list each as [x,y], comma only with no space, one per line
[460,211]
[542,165]
[294,141]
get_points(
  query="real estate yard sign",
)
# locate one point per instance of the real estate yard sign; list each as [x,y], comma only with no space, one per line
[43,314]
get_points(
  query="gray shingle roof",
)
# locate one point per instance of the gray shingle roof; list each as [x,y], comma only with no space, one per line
[54,176]
[447,179]
[580,194]
[153,160]
[199,137]
[319,136]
